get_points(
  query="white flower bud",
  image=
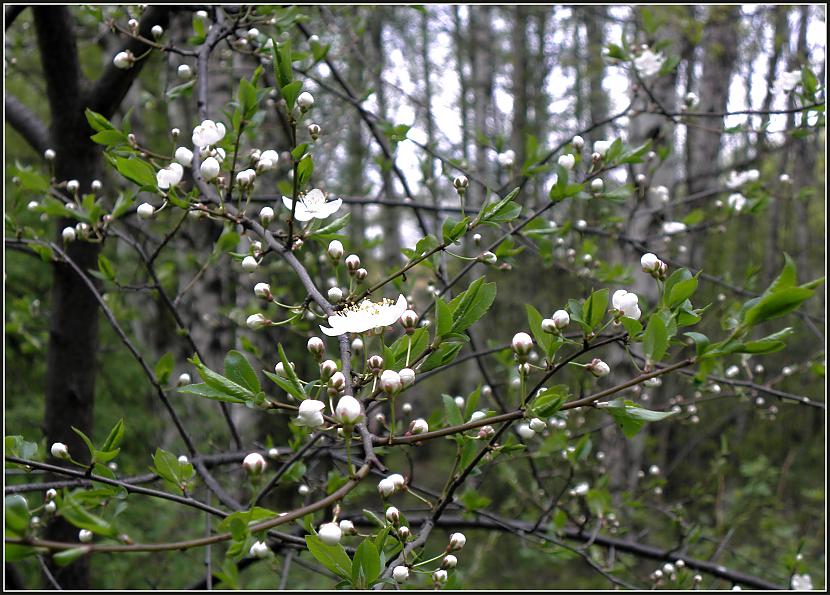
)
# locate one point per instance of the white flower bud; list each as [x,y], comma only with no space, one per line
[732,371]
[488,257]
[477,239]
[209,168]
[313,131]
[403,533]
[650,263]
[330,533]
[303,490]
[461,183]
[124,60]
[449,561]
[316,346]
[409,319]
[419,426]
[440,576]
[249,264]
[347,527]
[561,319]
[784,178]
[50,507]
[335,294]
[598,368]
[254,463]
[253,33]
[406,407]
[386,487]
[393,515]
[567,161]
[184,379]
[537,425]
[521,344]
[654,470]
[400,574]
[335,251]
[72,186]
[390,382]
[597,185]
[327,369]
[145,210]
[49,154]
[578,142]
[525,431]
[352,262]
[157,31]
[407,376]
[85,535]
[457,541]
[357,345]
[96,186]
[174,133]
[60,450]
[183,460]
[184,72]
[51,494]
[305,100]
[262,290]
[68,234]
[348,410]
[259,550]
[257,321]
[311,413]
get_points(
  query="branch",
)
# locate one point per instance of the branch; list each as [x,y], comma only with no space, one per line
[112,86]
[27,124]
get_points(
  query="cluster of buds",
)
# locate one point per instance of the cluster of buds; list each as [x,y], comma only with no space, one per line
[557,322]
[654,266]
[389,485]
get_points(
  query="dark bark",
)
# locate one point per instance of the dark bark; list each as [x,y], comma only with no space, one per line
[27,124]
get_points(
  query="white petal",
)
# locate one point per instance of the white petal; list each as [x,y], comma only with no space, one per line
[301,213]
[332,207]
[287,202]
[615,299]
[330,331]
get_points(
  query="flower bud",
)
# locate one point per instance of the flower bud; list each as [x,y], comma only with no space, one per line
[407,378]
[461,183]
[249,264]
[386,487]
[409,320]
[598,368]
[157,31]
[403,533]
[124,60]
[279,369]
[68,234]
[209,168]
[257,321]
[406,407]
[335,251]
[335,294]
[51,494]
[305,100]
[537,425]
[49,154]
[347,527]
[262,290]
[578,142]
[521,344]
[145,210]
[313,131]
[400,574]
[457,541]
[393,515]
[327,369]
[361,274]
[477,239]
[174,133]
[72,186]
[548,326]
[254,463]
[375,364]
[390,382]
[486,432]
[85,535]
[525,431]
[60,450]
[357,345]
[352,263]
[561,319]
[50,507]
[348,410]
[184,72]
[303,490]
[96,186]
[488,257]
[259,550]
[567,161]
[440,576]
[266,215]
[316,346]
[419,426]
[184,379]
[330,533]
[310,413]
[650,263]
[449,561]
[597,185]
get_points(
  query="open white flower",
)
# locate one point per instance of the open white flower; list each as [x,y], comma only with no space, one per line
[801,582]
[169,176]
[365,316]
[208,133]
[313,206]
[627,303]
[648,63]
[789,80]
[736,202]
[311,413]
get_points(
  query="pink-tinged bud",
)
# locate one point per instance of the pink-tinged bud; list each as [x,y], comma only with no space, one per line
[598,368]
[409,320]
[348,410]
[561,319]
[330,533]
[335,250]
[262,290]
[316,346]
[521,344]
[327,369]
[361,274]
[440,576]
[486,432]
[257,321]
[254,464]
[60,450]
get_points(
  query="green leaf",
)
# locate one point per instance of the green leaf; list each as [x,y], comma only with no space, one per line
[291,376]
[105,266]
[472,304]
[594,308]
[701,342]
[136,170]
[240,371]
[443,355]
[86,440]
[775,304]
[452,412]
[366,565]
[655,339]
[333,557]
[220,383]
[550,400]
[164,367]
[66,557]
[109,137]
[682,291]
[73,512]
[115,436]
[452,229]
[17,514]
[333,227]
[282,62]
[97,122]
[290,92]
[166,465]
[676,277]
[443,318]
[247,98]
[769,344]
[632,418]
[17,446]
[208,392]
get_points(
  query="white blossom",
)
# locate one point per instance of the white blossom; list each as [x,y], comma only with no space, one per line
[736,202]
[348,410]
[209,168]
[313,206]
[507,158]
[802,582]
[365,316]
[567,161]
[208,133]
[788,81]
[627,303]
[330,533]
[170,175]
[183,156]
[268,160]
[311,413]
[648,63]
[602,146]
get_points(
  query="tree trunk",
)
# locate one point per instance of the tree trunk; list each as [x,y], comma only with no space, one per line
[480,25]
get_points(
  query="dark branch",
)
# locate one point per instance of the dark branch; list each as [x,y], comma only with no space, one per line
[27,124]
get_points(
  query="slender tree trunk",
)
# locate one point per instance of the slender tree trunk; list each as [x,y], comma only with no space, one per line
[481,40]
[520,81]
[593,18]
[461,60]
